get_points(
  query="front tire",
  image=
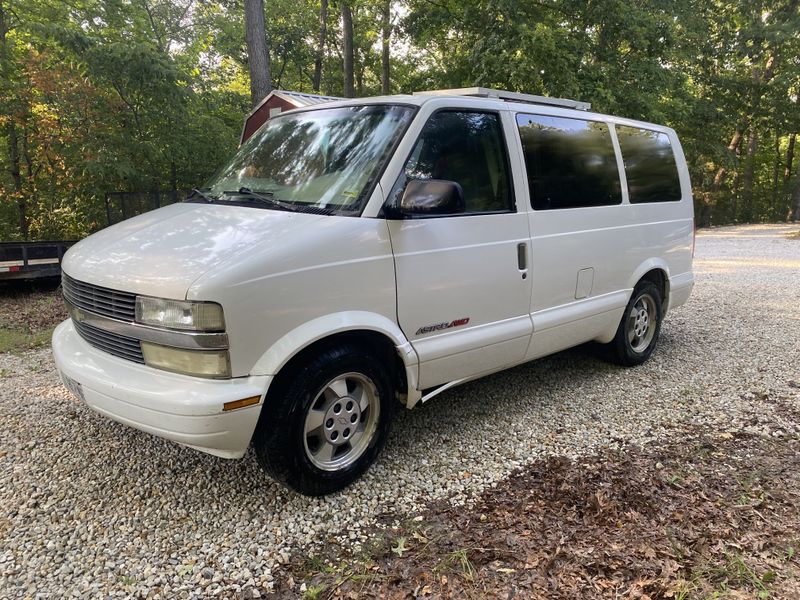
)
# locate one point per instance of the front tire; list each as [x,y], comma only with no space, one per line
[637,334]
[327,422]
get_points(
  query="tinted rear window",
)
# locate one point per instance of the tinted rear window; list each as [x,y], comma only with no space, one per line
[649,165]
[570,162]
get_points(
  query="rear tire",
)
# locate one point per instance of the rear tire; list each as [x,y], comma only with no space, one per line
[327,421]
[638,331]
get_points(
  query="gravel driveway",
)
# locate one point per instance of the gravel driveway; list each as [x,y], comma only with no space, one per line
[89,507]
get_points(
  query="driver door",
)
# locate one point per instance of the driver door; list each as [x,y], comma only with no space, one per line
[463,289]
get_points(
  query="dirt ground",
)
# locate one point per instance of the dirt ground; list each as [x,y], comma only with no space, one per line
[702,517]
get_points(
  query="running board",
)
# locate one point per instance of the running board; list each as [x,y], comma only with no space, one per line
[444,387]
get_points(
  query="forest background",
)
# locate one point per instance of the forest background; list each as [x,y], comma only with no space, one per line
[100,96]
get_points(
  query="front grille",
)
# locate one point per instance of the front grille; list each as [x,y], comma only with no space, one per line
[118,345]
[99,300]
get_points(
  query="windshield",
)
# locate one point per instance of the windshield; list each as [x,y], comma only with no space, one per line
[324,158]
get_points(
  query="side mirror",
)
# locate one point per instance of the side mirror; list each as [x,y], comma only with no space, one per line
[424,197]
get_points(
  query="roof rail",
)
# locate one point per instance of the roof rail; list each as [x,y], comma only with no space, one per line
[482,92]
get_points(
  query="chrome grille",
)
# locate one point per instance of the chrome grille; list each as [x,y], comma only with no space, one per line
[99,300]
[118,345]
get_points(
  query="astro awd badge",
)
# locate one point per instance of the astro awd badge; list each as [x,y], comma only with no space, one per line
[439,326]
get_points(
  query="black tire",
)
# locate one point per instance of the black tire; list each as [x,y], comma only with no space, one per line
[282,447]
[622,350]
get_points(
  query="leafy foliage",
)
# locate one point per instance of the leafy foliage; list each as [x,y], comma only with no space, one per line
[98,96]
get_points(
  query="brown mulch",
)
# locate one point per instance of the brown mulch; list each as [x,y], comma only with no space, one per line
[31,308]
[702,516]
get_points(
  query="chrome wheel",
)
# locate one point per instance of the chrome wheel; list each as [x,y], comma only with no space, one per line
[642,322]
[341,421]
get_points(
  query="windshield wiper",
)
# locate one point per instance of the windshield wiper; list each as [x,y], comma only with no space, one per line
[202,194]
[265,198]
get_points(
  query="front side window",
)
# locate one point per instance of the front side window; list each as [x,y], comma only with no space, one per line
[468,148]
[570,162]
[650,166]
[324,158]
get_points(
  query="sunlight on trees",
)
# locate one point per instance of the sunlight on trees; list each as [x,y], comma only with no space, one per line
[100,96]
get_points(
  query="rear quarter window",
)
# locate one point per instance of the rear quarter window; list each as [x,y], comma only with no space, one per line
[650,166]
[570,163]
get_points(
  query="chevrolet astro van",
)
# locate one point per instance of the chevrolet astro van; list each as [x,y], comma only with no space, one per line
[358,253]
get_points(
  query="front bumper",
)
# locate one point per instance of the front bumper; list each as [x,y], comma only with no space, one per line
[184,409]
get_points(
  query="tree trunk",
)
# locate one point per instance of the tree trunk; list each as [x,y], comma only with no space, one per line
[257,50]
[359,71]
[787,171]
[347,35]
[749,175]
[386,33]
[795,213]
[735,187]
[733,146]
[173,180]
[776,168]
[16,177]
[759,78]
[11,133]
[30,173]
[321,37]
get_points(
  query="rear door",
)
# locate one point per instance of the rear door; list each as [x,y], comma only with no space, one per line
[580,232]
[463,291]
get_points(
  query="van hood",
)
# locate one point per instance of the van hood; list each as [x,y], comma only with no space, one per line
[160,253]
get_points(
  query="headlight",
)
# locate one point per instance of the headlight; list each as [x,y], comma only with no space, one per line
[179,314]
[201,363]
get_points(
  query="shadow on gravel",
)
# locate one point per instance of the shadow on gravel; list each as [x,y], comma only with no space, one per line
[699,517]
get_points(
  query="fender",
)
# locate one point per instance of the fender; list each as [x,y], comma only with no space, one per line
[282,351]
[649,265]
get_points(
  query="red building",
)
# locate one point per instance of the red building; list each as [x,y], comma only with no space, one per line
[276,102]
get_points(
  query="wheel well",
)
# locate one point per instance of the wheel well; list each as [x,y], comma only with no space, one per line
[381,345]
[660,279]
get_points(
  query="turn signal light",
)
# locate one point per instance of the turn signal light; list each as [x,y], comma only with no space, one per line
[233,405]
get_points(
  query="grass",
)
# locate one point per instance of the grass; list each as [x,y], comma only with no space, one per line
[28,315]
[736,574]
[16,341]
[457,562]
[314,592]
[730,577]
[750,491]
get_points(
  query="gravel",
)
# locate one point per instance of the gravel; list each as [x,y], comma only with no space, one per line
[89,507]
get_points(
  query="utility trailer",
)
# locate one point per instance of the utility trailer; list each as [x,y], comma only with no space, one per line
[31,260]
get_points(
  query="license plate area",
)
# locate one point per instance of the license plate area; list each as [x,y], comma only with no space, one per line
[74,387]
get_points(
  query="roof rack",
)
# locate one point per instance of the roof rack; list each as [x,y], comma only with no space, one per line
[482,92]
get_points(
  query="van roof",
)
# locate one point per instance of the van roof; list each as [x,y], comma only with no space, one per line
[482,92]
[489,98]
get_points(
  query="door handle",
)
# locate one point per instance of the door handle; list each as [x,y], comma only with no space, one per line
[522,257]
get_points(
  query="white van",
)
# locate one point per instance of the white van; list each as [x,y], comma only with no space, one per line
[357,253]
